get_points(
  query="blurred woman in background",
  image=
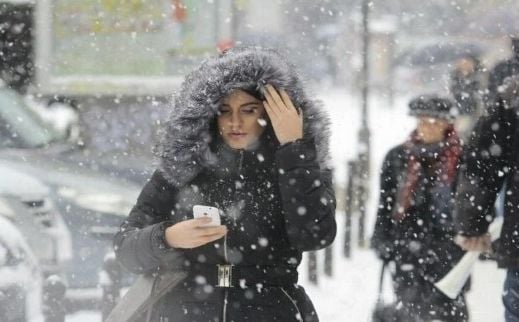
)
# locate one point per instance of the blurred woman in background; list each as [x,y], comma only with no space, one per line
[414,226]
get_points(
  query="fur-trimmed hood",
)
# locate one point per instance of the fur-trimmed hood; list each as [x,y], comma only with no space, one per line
[184,146]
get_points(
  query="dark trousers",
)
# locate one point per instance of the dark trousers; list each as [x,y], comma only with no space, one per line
[511,296]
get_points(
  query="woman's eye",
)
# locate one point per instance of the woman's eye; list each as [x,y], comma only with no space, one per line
[248,110]
[223,111]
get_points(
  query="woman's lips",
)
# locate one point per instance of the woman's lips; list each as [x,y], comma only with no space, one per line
[237,135]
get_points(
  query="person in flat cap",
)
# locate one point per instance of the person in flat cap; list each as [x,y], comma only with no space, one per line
[414,227]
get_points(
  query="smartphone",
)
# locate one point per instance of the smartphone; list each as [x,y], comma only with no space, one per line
[200,211]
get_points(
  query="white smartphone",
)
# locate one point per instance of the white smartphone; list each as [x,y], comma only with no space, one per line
[200,211]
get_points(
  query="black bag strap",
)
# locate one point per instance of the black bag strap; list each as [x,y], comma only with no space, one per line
[145,292]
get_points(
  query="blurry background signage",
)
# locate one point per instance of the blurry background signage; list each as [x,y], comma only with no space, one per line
[121,46]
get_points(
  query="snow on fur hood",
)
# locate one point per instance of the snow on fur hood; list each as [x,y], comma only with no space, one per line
[184,146]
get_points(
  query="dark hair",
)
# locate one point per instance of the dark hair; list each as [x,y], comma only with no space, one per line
[254,91]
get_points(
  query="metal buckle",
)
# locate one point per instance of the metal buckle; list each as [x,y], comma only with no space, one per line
[224,276]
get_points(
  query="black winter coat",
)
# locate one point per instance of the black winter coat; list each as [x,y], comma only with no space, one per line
[468,91]
[491,160]
[501,71]
[276,201]
[421,244]
[423,240]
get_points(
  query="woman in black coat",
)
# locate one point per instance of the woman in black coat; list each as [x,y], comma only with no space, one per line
[242,137]
[414,226]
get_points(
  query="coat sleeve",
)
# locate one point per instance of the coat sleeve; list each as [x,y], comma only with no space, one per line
[486,162]
[495,77]
[307,195]
[381,240]
[140,244]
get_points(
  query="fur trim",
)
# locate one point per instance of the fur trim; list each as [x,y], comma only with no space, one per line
[183,149]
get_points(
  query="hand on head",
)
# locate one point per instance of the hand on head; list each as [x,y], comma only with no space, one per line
[287,120]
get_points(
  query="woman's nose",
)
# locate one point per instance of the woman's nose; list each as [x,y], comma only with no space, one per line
[235,120]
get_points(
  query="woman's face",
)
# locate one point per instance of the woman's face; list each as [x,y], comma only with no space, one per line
[241,119]
[466,66]
[431,129]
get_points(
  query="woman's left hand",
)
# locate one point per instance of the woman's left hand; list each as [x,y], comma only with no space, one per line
[286,121]
[481,243]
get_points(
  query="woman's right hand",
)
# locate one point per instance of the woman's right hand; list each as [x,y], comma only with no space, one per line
[192,233]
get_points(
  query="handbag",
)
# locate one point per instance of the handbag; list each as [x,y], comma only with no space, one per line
[384,312]
[137,304]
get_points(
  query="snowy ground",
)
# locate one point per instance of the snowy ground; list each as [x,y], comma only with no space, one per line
[351,293]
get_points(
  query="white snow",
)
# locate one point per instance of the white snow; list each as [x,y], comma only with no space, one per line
[350,295]
[60,116]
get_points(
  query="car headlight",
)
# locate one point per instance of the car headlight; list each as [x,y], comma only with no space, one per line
[111,203]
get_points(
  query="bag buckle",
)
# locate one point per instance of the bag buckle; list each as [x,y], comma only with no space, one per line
[224,276]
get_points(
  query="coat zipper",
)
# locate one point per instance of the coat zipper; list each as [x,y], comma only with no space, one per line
[299,316]
[225,249]
[226,292]
[241,162]
[224,319]
[226,296]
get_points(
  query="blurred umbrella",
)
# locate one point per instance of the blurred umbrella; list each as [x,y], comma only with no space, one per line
[438,53]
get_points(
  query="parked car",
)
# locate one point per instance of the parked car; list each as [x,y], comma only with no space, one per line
[53,131]
[27,203]
[93,199]
[20,276]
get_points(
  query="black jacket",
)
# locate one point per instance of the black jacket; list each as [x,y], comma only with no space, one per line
[276,201]
[491,160]
[501,71]
[423,240]
[468,91]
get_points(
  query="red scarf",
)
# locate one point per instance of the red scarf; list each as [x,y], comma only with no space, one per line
[447,164]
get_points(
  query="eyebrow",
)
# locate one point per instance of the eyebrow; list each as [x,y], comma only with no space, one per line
[244,104]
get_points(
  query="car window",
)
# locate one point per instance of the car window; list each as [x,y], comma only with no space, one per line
[20,127]
[7,137]
[9,257]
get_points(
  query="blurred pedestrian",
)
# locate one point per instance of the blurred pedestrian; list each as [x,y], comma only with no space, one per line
[468,87]
[504,69]
[414,227]
[243,137]
[491,162]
